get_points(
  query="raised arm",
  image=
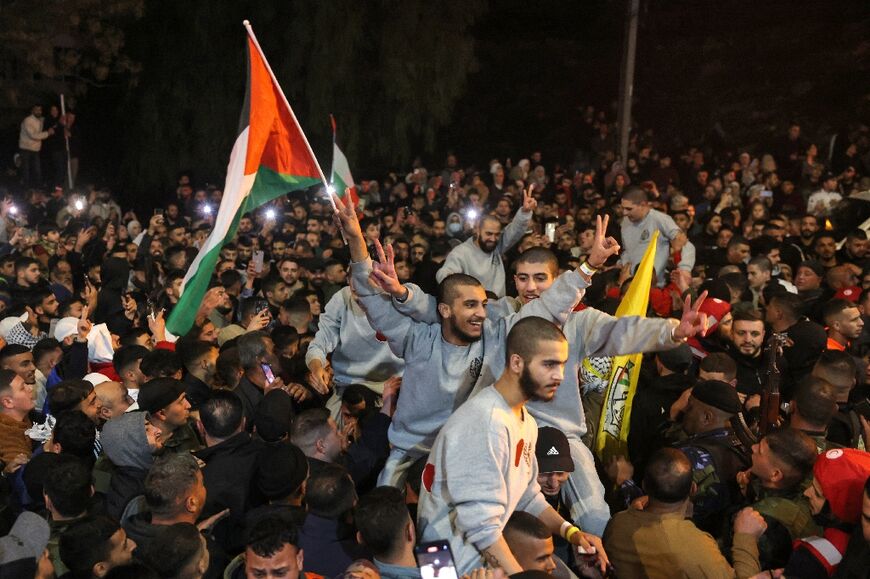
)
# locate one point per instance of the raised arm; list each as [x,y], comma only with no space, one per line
[379,310]
[515,230]
[557,302]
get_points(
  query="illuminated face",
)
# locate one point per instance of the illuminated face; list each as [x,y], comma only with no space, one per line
[531,279]
[551,482]
[807,279]
[466,313]
[542,374]
[488,234]
[634,211]
[289,272]
[748,336]
[850,323]
[285,563]
[757,276]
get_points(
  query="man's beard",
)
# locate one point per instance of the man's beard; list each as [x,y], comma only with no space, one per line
[224,310]
[462,334]
[530,387]
[488,247]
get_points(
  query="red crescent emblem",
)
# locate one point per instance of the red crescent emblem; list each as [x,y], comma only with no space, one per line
[428,476]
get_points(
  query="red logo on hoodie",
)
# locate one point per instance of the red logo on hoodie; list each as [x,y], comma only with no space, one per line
[380,337]
[428,476]
[521,445]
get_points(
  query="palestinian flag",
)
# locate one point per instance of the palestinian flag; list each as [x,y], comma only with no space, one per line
[340,177]
[270,158]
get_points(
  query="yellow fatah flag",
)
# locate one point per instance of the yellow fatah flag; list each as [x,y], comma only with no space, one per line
[612,436]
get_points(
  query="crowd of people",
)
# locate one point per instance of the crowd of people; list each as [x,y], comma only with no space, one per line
[411,386]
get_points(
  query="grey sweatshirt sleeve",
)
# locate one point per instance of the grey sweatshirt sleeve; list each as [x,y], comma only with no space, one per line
[557,302]
[380,312]
[423,307]
[601,334]
[533,501]
[687,257]
[514,232]
[327,338]
[479,500]
[453,263]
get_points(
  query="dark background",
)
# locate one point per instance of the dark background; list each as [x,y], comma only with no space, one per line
[408,78]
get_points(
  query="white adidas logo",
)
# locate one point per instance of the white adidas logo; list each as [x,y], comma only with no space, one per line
[552,451]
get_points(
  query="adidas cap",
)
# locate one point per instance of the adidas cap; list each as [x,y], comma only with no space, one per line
[552,451]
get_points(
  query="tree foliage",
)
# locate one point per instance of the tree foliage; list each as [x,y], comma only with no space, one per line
[390,71]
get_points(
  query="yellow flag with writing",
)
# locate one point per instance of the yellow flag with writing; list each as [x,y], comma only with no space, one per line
[612,437]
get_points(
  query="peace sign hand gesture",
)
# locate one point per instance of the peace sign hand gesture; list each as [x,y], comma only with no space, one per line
[529,202]
[602,247]
[693,321]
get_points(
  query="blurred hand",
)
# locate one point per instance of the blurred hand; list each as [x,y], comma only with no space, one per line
[298,392]
[16,463]
[750,522]
[84,325]
[320,378]
[260,320]
[693,322]
[157,326]
[207,524]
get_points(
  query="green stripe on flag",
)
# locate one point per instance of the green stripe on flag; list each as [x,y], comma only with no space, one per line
[268,185]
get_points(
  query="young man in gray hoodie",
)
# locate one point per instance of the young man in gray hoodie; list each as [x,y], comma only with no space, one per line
[591,333]
[482,467]
[448,361]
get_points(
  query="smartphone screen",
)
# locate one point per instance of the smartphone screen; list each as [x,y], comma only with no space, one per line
[257,258]
[435,560]
[550,231]
[267,370]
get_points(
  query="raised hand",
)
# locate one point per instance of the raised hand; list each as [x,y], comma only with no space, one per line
[384,273]
[347,218]
[84,325]
[157,326]
[602,247]
[693,321]
[529,202]
[319,377]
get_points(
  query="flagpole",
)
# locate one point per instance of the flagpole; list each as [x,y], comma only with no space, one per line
[66,140]
[247,25]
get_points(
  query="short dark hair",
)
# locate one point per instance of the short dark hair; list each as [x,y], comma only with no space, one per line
[130,338]
[76,434]
[86,543]
[747,316]
[668,476]
[796,451]
[172,548]
[761,262]
[816,401]
[791,304]
[12,350]
[834,308]
[160,363]
[193,351]
[527,524]
[44,347]
[228,365]
[221,414]
[6,378]
[720,363]
[538,255]
[68,394]
[330,492]
[635,195]
[283,336]
[381,517]
[309,426]
[268,535]
[526,334]
[838,368]
[125,356]
[68,486]
[168,479]
[448,289]
[24,263]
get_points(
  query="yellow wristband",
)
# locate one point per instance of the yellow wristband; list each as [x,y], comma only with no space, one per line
[570,532]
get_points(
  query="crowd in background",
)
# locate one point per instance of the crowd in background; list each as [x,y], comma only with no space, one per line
[363,380]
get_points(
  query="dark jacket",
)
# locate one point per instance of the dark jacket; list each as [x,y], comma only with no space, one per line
[229,479]
[251,397]
[139,528]
[196,390]
[329,546]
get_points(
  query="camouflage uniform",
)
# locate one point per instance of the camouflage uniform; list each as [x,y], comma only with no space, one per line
[716,457]
[788,517]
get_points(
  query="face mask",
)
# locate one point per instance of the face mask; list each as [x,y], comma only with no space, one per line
[454,228]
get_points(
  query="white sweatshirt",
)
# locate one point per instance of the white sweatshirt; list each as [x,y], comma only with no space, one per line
[468,258]
[359,354]
[482,468]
